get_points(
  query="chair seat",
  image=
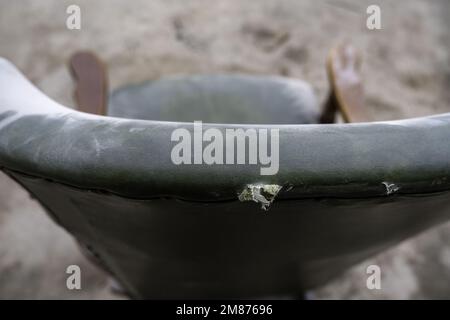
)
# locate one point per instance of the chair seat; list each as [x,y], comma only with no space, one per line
[218,99]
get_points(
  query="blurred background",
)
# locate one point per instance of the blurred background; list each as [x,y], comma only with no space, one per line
[406,71]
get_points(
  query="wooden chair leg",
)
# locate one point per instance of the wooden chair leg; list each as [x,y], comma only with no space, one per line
[347,94]
[90,75]
[329,109]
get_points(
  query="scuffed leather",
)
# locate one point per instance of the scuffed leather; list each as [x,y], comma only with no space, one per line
[167,231]
[132,157]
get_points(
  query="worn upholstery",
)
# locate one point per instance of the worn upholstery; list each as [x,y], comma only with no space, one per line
[168,231]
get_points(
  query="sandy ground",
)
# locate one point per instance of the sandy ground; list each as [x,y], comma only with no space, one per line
[406,73]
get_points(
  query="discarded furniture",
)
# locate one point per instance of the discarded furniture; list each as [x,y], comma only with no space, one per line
[343,192]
